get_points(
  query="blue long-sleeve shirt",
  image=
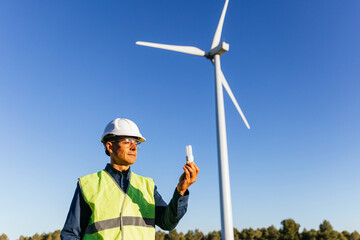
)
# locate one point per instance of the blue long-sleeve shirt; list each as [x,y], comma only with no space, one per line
[166,216]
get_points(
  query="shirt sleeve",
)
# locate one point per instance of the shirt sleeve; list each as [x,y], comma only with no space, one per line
[167,216]
[77,218]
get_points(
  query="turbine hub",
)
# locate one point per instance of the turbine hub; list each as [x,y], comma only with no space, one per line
[219,49]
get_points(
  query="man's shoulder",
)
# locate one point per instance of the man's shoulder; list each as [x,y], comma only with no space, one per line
[141,178]
[91,176]
[137,175]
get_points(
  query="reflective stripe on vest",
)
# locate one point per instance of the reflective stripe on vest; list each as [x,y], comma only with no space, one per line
[116,222]
[119,215]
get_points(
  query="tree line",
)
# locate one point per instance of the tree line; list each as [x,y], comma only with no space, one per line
[288,231]
[45,236]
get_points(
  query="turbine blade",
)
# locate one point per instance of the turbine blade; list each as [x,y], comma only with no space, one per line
[227,87]
[176,48]
[219,28]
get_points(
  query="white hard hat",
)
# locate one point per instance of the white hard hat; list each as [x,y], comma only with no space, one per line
[122,127]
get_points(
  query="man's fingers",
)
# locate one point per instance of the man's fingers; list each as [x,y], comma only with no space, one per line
[187,172]
[189,168]
[194,170]
[193,165]
[191,176]
[197,169]
[182,177]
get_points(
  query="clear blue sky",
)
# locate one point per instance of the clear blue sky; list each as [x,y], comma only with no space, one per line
[67,68]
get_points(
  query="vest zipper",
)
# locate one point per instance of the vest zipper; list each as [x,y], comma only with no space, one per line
[123,203]
[122,210]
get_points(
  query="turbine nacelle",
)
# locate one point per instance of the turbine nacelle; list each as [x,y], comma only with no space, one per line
[219,49]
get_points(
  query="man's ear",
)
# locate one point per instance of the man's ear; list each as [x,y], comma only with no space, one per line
[109,147]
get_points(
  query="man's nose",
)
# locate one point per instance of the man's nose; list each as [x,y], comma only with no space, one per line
[133,146]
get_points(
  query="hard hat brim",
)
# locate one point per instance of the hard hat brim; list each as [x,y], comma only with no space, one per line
[141,139]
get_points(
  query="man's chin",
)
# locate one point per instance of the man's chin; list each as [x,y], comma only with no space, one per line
[131,161]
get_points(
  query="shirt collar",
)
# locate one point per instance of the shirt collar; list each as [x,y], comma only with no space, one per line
[110,169]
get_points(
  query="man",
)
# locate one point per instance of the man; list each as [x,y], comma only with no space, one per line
[116,203]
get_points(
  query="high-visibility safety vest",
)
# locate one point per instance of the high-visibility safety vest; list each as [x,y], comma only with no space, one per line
[116,214]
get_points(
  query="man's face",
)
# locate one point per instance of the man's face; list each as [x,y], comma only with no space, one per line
[122,152]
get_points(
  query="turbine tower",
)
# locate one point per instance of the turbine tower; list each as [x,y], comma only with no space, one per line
[216,50]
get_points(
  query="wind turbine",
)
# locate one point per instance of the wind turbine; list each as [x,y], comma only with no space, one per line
[216,50]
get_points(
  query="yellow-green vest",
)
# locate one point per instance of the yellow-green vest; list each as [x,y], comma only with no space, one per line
[119,215]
